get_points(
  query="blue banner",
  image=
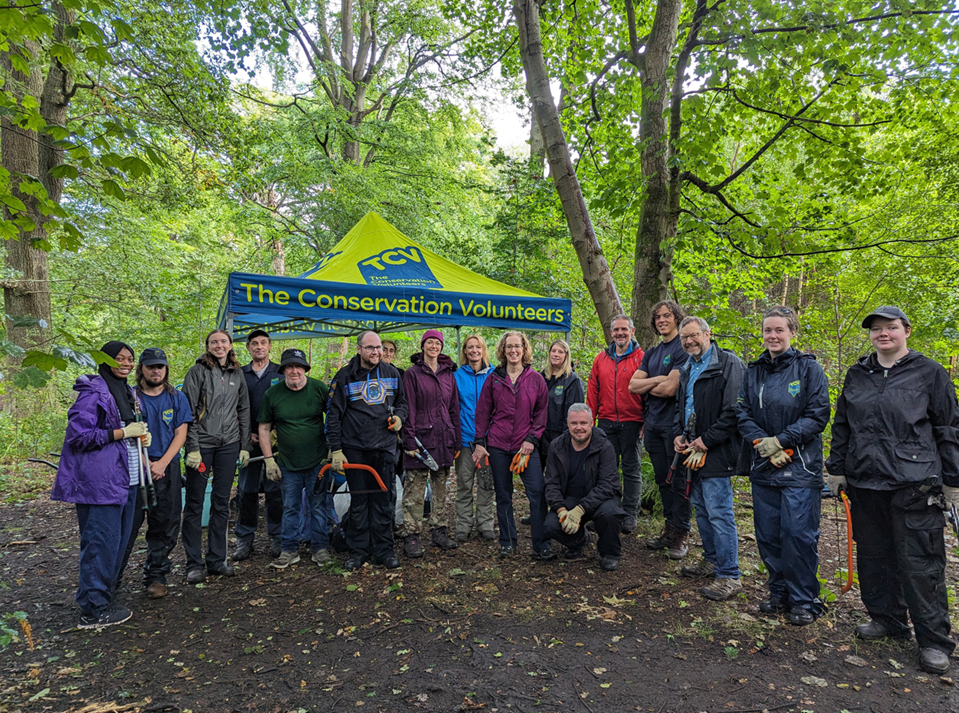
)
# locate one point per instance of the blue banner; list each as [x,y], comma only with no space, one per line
[277,300]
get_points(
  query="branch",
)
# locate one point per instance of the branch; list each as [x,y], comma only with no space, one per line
[635,56]
[798,118]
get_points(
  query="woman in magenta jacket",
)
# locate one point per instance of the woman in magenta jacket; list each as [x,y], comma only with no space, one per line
[510,420]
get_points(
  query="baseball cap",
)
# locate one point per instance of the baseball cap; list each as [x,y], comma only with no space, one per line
[256,333]
[293,356]
[886,312]
[153,356]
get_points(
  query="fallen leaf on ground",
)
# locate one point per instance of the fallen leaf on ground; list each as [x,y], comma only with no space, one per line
[814,681]
[856,661]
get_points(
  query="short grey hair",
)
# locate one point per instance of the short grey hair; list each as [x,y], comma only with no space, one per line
[619,317]
[703,324]
[580,408]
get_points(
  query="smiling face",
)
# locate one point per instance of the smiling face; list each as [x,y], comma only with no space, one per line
[695,340]
[513,348]
[474,351]
[219,345]
[777,335]
[294,376]
[665,323]
[557,355]
[259,348]
[621,333]
[126,364]
[389,352]
[889,337]
[432,348]
[370,350]
[580,426]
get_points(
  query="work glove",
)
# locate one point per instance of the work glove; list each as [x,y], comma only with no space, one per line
[272,469]
[146,439]
[767,446]
[193,460]
[244,459]
[135,430]
[835,483]
[337,461]
[695,459]
[411,454]
[781,458]
[951,496]
[456,455]
[519,463]
[394,423]
[273,438]
[571,519]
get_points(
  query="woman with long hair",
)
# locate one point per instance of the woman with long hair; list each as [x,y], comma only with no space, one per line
[470,377]
[783,409]
[510,420]
[220,433]
[564,388]
[99,471]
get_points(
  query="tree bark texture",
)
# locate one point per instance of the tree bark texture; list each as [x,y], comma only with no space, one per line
[592,261]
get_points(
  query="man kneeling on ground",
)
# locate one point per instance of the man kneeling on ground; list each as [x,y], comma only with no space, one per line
[582,484]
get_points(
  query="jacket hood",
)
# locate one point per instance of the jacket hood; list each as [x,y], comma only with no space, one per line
[500,371]
[788,357]
[442,360]
[466,368]
[871,360]
[611,349]
[90,382]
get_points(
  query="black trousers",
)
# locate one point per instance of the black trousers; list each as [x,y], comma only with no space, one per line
[659,447]
[163,526]
[901,560]
[222,461]
[624,435]
[369,522]
[249,483]
[608,518]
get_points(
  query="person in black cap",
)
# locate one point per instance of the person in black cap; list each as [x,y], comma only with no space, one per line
[167,415]
[895,450]
[295,408]
[261,374]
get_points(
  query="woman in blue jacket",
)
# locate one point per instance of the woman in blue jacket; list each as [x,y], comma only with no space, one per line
[783,410]
[470,377]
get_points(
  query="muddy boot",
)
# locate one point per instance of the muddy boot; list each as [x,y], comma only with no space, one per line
[411,547]
[442,540]
[664,539]
[678,547]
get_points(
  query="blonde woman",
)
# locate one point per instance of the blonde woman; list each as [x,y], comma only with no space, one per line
[563,388]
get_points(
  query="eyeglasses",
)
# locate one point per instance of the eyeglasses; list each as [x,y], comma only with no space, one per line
[377,348]
[512,348]
[690,337]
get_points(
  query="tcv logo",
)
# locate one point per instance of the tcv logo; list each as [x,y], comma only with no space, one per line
[398,267]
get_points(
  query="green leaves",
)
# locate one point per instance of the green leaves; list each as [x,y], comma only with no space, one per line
[30,378]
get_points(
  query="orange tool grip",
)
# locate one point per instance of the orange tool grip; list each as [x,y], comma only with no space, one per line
[357,466]
[845,501]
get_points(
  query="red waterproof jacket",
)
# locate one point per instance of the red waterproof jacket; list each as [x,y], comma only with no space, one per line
[607,393]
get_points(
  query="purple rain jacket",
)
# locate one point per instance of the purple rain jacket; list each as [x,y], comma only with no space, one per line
[434,418]
[93,467]
[508,414]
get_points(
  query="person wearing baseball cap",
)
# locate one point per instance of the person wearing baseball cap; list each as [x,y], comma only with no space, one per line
[261,373]
[167,414]
[296,408]
[895,451]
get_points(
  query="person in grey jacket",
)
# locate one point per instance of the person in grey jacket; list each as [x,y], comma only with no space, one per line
[220,433]
[895,450]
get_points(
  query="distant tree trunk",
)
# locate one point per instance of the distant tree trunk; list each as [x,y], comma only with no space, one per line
[537,148]
[596,273]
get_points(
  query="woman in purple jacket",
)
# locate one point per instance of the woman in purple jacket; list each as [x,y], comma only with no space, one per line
[432,427]
[99,471]
[510,420]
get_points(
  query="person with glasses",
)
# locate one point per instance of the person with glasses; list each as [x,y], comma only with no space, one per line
[367,409]
[895,450]
[618,412]
[510,420]
[783,410]
[709,384]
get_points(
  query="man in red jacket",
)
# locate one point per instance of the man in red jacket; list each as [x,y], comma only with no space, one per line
[619,413]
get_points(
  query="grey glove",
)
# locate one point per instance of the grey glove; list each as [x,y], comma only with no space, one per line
[135,429]
[835,483]
[272,469]
[767,446]
[951,496]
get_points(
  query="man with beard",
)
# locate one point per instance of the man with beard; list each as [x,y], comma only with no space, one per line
[167,413]
[367,409]
[582,485]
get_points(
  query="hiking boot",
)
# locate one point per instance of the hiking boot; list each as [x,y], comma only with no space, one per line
[390,562]
[242,551]
[773,605]
[195,576]
[506,550]
[546,554]
[629,525]
[321,557]
[609,563]
[223,570]
[411,548]
[156,590]
[722,588]
[113,615]
[678,547]
[703,568]
[442,540]
[462,536]
[525,520]
[276,547]
[872,630]
[353,563]
[286,558]
[799,616]
[488,535]
[574,553]
[663,539]
[933,661]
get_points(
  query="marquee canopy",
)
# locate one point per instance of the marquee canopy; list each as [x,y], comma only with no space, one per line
[377,278]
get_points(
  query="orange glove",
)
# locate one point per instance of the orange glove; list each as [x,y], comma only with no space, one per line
[519,463]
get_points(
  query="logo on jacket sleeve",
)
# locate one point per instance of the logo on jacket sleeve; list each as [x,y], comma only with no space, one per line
[794,389]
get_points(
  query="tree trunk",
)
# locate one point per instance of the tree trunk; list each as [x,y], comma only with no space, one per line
[656,221]
[596,273]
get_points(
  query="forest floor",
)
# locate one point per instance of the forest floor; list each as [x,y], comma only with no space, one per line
[453,631]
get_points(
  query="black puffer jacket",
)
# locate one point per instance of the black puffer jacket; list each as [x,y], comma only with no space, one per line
[788,398]
[563,392]
[602,472]
[714,395]
[896,426]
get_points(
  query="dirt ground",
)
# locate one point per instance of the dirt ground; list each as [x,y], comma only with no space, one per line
[454,631]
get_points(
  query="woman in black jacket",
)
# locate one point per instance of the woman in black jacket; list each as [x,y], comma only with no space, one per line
[783,410]
[564,389]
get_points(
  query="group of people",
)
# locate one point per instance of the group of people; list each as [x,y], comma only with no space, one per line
[701,413]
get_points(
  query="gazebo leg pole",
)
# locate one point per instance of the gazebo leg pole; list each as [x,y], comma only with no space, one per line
[457,346]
